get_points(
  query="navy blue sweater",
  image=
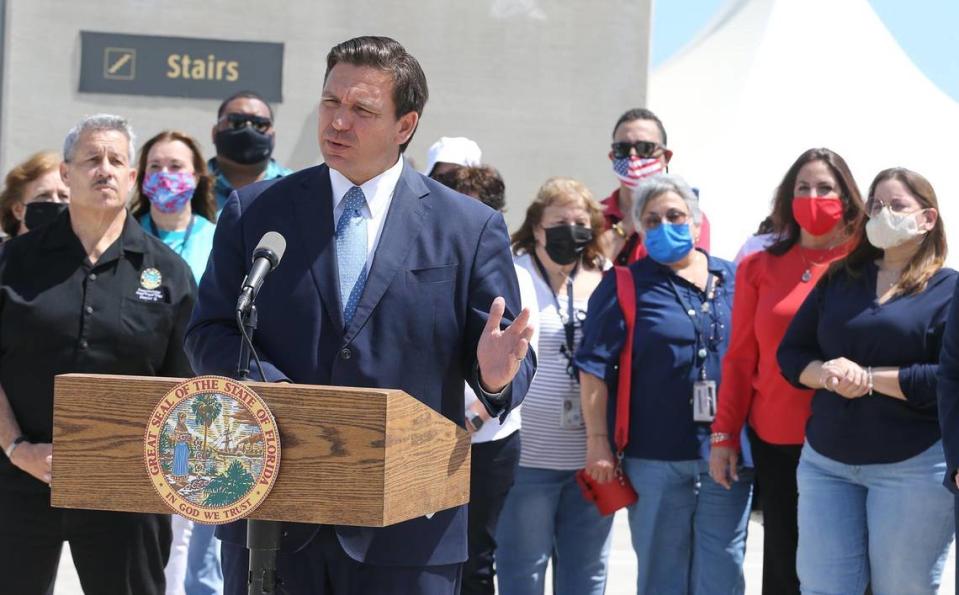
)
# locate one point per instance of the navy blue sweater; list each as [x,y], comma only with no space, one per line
[841,318]
[948,390]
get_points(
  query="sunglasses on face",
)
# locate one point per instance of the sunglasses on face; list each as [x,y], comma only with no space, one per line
[238,121]
[621,150]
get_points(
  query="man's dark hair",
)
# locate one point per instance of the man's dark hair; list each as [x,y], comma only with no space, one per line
[481,182]
[641,113]
[383,53]
[243,95]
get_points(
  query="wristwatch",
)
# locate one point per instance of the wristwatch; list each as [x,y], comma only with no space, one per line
[476,421]
[13,445]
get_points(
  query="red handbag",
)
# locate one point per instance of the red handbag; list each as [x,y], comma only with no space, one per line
[612,495]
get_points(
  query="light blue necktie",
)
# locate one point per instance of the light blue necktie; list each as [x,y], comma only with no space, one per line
[351,251]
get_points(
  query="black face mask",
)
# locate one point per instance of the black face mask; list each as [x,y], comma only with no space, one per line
[39,214]
[244,145]
[565,243]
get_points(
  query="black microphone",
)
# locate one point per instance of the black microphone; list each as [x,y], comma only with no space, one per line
[266,257]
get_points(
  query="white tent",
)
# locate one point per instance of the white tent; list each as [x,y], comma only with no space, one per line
[772,78]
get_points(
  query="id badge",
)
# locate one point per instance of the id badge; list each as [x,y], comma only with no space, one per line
[704,400]
[571,417]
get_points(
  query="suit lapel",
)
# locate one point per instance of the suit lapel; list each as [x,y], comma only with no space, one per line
[400,230]
[313,209]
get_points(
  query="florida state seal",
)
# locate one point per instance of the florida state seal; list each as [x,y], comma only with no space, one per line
[212,450]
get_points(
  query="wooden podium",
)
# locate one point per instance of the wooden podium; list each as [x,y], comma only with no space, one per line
[350,456]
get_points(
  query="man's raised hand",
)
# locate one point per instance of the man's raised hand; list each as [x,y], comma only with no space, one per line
[500,352]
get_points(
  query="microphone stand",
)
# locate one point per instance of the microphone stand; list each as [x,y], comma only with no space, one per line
[262,537]
[248,316]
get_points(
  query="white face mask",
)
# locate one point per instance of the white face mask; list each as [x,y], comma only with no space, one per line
[886,229]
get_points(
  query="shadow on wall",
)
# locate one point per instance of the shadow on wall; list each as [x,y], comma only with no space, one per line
[306,150]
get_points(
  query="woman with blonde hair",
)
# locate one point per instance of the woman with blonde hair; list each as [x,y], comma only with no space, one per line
[33,194]
[872,509]
[545,515]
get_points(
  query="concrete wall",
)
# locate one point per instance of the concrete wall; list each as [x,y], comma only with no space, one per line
[537,83]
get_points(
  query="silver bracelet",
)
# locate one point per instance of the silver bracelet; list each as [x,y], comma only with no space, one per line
[717,437]
[869,379]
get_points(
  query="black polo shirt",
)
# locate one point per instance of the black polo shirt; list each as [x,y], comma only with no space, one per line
[126,314]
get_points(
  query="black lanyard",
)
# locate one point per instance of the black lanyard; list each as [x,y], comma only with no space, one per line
[570,325]
[186,236]
[708,311]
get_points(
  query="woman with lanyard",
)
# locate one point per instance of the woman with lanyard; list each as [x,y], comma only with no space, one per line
[545,514]
[174,201]
[688,532]
[816,209]
[174,197]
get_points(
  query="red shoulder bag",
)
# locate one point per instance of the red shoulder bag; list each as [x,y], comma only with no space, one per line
[618,493]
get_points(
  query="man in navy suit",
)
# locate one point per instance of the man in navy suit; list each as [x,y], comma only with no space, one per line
[389,280]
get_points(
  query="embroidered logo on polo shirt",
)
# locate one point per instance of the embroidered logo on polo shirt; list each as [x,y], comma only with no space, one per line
[150,280]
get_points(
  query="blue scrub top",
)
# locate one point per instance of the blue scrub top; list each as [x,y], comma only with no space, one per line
[197,249]
[665,359]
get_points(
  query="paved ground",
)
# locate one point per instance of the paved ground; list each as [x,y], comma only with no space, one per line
[622,576]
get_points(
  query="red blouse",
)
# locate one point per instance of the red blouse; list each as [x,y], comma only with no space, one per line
[769,291]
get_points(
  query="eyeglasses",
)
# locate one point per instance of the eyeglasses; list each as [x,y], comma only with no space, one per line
[673,216]
[238,121]
[621,150]
[896,205]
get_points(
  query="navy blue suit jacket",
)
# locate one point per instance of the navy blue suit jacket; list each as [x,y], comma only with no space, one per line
[441,260]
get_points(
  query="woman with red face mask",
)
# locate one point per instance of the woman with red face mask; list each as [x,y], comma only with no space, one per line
[815,208]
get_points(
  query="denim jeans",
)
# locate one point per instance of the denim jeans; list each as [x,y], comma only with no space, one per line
[889,524]
[546,515]
[689,533]
[203,573]
[491,477]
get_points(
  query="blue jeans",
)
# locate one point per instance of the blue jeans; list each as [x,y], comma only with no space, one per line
[545,515]
[689,533]
[203,573]
[889,524]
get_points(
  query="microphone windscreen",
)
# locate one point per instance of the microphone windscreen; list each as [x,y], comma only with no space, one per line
[273,244]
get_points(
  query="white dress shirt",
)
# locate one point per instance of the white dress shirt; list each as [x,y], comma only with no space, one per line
[379,195]
[493,429]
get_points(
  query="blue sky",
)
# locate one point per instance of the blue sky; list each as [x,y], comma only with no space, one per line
[926,29]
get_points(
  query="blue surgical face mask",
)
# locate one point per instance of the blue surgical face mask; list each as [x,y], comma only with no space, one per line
[669,243]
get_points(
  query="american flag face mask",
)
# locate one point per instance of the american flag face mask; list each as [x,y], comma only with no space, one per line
[630,170]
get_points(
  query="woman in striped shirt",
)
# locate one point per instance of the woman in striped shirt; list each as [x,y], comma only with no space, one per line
[545,515]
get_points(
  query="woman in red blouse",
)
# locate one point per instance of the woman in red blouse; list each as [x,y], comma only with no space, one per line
[815,208]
